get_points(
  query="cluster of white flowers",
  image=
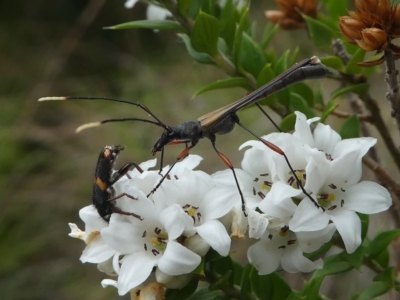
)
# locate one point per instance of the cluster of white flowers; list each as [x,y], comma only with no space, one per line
[193,211]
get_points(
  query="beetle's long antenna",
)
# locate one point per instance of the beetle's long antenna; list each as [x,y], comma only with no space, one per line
[95,124]
[268,116]
[142,106]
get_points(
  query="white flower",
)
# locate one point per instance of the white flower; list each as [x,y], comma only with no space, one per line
[330,170]
[200,206]
[96,251]
[173,282]
[336,187]
[147,243]
[280,246]
[154,12]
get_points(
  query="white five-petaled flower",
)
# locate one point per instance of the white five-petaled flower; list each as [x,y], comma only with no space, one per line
[153,12]
[200,205]
[147,243]
[280,246]
[97,250]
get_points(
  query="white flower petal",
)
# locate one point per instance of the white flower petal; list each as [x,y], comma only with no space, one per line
[216,204]
[317,170]
[308,217]
[302,129]
[134,271]
[264,257]
[178,259]
[360,145]
[312,240]
[130,3]
[348,225]
[325,138]
[190,162]
[91,217]
[293,261]
[346,170]
[76,233]
[156,13]
[123,237]
[367,197]
[214,233]
[97,251]
[108,282]
[257,224]
[175,221]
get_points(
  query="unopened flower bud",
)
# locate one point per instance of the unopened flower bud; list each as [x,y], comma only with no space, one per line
[373,39]
[197,245]
[152,291]
[173,282]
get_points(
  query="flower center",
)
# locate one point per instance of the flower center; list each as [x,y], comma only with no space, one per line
[192,211]
[301,175]
[157,242]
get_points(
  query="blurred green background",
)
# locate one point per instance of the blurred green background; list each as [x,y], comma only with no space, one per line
[53,48]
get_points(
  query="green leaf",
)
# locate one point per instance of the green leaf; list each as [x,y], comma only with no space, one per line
[319,98]
[350,128]
[223,84]
[281,64]
[271,286]
[222,281]
[237,272]
[287,123]
[202,58]
[224,267]
[352,67]
[229,18]
[237,43]
[183,293]
[298,103]
[150,24]
[335,8]
[265,76]
[355,258]
[205,34]
[320,34]
[374,290]
[305,92]
[386,275]
[245,283]
[205,294]
[359,89]
[322,250]
[333,62]
[251,57]
[328,109]
[364,225]
[269,32]
[382,241]
[383,258]
[183,6]
[334,264]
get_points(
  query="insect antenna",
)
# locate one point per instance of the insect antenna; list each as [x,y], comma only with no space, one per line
[269,117]
[278,150]
[181,156]
[142,106]
[98,123]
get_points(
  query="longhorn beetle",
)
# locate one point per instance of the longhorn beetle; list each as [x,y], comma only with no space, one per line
[220,121]
[103,192]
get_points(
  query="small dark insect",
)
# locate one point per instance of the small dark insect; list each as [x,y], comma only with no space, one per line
[220,121]
[103,192]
